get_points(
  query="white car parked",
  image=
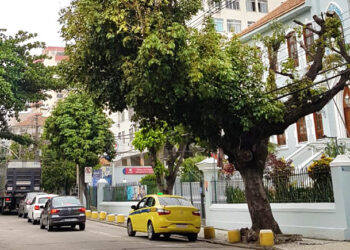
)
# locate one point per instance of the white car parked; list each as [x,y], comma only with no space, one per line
[37,206]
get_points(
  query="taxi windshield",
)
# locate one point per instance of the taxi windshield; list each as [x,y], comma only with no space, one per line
[174,201]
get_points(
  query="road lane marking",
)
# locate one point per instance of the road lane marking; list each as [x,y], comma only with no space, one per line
[106,234]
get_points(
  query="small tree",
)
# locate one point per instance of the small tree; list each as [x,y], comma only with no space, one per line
[167,144]
[78,131]
[58,175]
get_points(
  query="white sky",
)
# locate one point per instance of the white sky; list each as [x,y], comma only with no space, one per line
[34,16]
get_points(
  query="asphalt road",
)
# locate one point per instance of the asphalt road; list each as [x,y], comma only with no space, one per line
[16,233]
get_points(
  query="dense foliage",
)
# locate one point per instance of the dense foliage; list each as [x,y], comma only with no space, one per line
[165,144]
[78,132]
[22,78]
[141,54]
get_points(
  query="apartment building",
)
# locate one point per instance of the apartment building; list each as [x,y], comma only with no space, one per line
[233,16]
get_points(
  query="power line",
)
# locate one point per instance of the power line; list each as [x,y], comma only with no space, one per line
[299,81]
[312,85]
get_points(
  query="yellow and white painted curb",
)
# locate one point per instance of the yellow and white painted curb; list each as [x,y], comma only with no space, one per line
[266,238]
[234,236]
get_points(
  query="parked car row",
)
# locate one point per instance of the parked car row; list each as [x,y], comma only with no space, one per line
[52,211]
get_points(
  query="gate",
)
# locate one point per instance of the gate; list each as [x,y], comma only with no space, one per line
[92,198]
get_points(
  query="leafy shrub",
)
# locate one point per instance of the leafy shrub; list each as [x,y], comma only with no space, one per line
[320,172]
[235,195]
[278,170]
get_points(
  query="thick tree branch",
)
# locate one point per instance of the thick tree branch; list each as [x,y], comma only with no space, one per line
[307,27]
[291,76]
[296,108]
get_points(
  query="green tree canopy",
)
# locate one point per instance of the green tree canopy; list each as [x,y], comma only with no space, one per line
[22,78]
[78,131]
[57,175]
[143,55]
[165,144]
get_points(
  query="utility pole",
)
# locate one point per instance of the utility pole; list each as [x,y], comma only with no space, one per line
[36,137]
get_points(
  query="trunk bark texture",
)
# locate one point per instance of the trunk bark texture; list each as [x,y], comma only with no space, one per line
[250,163]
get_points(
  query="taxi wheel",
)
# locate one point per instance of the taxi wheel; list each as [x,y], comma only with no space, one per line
[33,222]
[150,232]
[130,230]
[192,237]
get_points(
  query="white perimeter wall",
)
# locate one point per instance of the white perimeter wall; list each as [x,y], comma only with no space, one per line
[316,220]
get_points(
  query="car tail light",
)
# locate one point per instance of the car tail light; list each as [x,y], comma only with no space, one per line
[7,199]
[82,209]
[36,207]
[196,213]
[163,212]
[55,211]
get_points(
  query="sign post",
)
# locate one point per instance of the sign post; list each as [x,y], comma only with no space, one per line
[88,175]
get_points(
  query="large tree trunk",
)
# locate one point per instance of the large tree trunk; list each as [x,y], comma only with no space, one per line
[250,163]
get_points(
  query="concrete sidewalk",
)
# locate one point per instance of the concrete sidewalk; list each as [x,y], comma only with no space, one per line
[304,244]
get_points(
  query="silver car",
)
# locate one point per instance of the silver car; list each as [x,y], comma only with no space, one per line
[25,204]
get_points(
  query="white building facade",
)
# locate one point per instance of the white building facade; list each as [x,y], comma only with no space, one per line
[232,16]
[303,141]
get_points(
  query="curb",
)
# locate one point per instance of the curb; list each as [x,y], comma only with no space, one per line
[212,241]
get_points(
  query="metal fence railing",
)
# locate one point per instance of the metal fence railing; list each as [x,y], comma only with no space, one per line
[295,187]
[92,198]
[128,192]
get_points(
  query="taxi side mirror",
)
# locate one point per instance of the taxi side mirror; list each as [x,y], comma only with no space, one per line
[133,207]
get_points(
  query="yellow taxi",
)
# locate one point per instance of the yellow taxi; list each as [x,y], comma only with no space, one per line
[164,215]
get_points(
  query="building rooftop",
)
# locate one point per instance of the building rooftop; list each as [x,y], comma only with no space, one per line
[279,11]
[30,121]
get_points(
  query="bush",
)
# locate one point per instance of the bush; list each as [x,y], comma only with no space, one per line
[278,171]
[235,195]
[320,172]
[151,183]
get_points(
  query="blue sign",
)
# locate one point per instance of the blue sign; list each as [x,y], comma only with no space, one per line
[96,176]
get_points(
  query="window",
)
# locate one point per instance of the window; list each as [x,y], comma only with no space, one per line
[233,26]
[217,4]
[119,135]
[174,201]
[141,203]
[65,201]
[232,4]
[59,95]
[293,48]
[281,139]
[122,118]
[123,136]
[251,5]
[308,40]
[262,6]
[219,24]
[131,134]
[250,23]
[318,125]
[346,97]
[301,130]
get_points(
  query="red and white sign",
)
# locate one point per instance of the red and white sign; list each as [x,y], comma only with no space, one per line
[138,170]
